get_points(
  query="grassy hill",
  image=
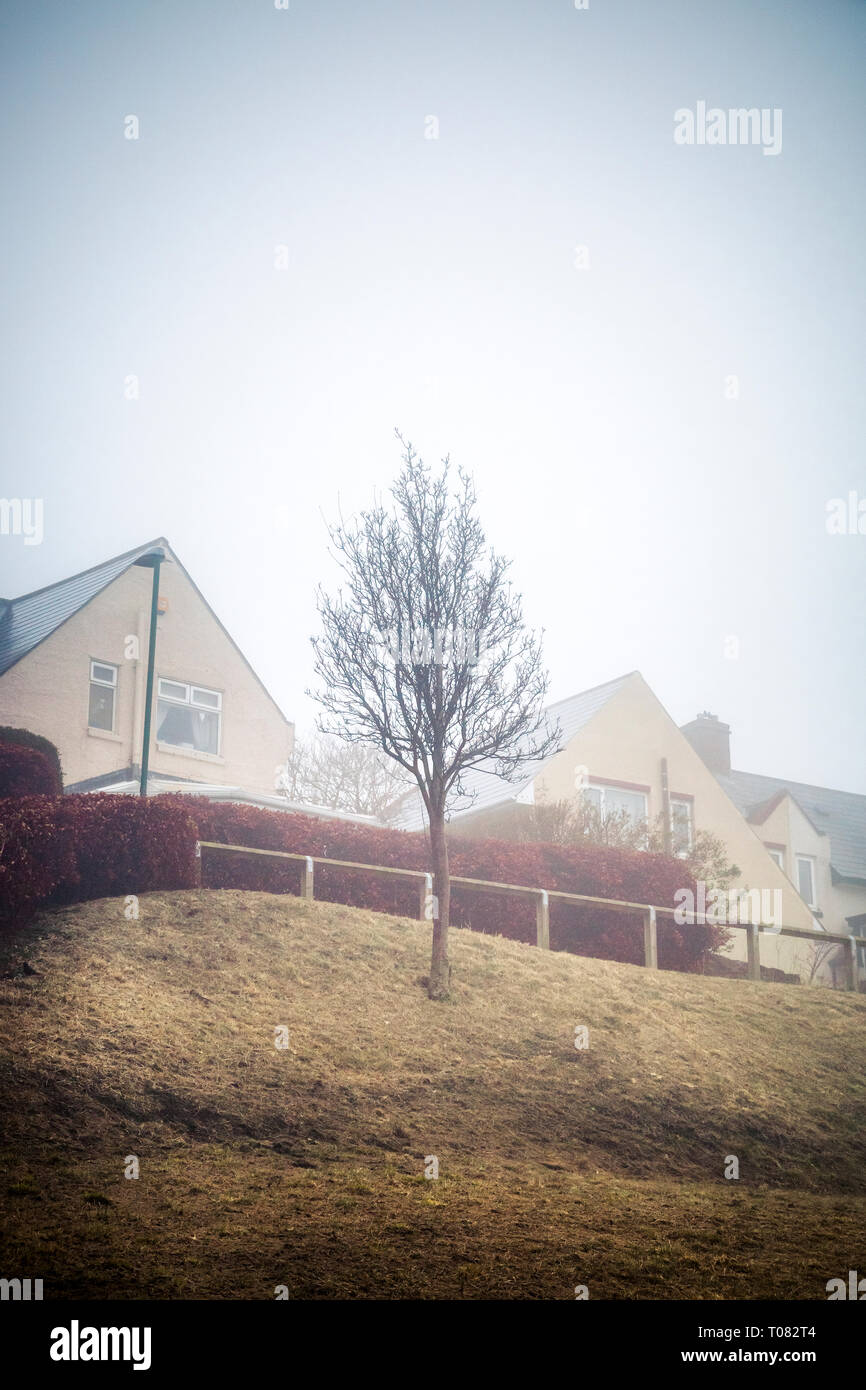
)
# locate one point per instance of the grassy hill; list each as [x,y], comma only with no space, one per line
[305,1166]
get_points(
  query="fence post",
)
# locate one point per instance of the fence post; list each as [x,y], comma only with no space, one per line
[542,920]
[753,947]
[852,963]
[307,879]
[650,939]
[426,897]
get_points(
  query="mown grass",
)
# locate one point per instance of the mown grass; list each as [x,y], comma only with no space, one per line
[305,1166]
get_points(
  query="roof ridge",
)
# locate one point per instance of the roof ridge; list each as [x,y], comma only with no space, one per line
[590,690]
[91,569]
[789,782]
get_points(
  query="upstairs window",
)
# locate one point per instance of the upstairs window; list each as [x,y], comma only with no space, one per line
[682,834]
[103,693]
[188,716]
[612,801]
[806,879]
[778,855]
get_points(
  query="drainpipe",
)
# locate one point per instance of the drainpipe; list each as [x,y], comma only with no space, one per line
[152,561]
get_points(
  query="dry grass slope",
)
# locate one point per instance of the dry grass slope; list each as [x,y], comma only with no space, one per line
[305,1167]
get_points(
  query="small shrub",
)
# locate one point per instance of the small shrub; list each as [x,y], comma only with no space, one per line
[23,738]
[26,772]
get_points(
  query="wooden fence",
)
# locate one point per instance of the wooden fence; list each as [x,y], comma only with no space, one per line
[542,898]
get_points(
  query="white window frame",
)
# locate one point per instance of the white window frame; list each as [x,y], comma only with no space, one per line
[690,807]
[104,685]
[189,702]
[810,860]
[777,855]
[602,787]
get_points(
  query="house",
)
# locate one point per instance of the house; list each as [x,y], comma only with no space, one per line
[73,667]
[621,749]
[815,834]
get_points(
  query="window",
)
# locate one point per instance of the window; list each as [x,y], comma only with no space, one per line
[778,855]
[681,825]
[188,716]
[612,801]
[806,879]
[103,688]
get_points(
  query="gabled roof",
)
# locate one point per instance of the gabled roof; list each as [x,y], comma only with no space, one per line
[25,622]
[28,620]
[841,815]
[484,788]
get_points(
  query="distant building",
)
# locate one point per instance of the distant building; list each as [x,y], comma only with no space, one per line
[621,749]
[73,664]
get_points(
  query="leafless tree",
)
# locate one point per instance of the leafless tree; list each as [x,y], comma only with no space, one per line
[820,953]
[426,655]
[343,776]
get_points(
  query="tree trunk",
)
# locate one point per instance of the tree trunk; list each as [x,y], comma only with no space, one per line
[440,967]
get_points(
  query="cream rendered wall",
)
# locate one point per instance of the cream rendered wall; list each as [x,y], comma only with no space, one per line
[788,826]
[848,899]
[625,742]
[48,690]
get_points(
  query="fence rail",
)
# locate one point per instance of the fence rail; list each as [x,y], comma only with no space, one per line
[542,897]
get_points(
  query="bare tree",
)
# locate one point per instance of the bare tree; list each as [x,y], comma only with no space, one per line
[343,776]
[426,655]
[819,954]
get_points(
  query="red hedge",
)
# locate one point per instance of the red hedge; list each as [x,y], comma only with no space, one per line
[69,848]
[25,738]
[26,772]
[591,869]
[101,845]
[36,856]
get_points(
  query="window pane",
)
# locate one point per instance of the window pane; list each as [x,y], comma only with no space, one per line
[187,728]
[173,690]
[681,825]
[101,712]
[103,673]
[593,796]
[804,880]
[205,697]
[633,803]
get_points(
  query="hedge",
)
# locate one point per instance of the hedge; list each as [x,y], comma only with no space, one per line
[23,738]
[26,772]
[70,848]
[595,870]
[98,845]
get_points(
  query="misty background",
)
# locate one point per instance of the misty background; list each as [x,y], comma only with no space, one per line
[434,285]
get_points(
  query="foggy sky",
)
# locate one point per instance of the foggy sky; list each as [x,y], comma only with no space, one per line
[431,284]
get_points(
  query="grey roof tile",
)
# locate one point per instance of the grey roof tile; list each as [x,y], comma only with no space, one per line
[840,815]
[28,620]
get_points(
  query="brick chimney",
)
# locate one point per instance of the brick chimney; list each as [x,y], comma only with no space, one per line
[711,740]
